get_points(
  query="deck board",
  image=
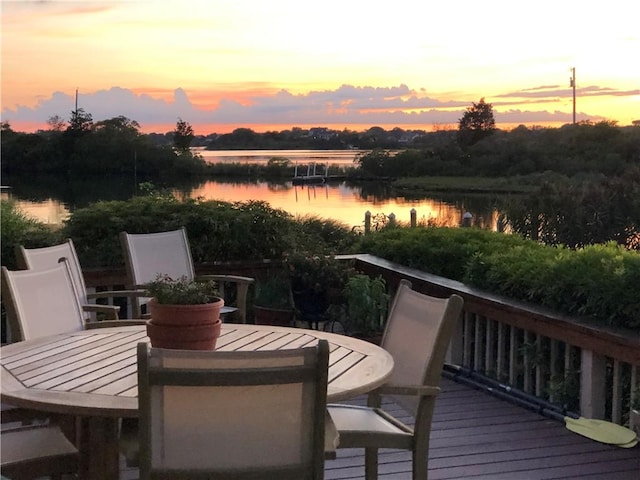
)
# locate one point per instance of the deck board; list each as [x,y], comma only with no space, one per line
[476,436]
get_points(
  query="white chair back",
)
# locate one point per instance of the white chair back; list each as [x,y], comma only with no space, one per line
[47,257]
[233,414]
[417,334]
[41,302]
[148,254]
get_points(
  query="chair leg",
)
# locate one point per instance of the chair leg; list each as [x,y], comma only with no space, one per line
[371,463]
[420,460]
[420,468]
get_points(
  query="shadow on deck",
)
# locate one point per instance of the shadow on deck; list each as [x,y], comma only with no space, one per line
[477,436]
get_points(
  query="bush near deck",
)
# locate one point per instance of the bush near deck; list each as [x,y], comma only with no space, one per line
[597,281]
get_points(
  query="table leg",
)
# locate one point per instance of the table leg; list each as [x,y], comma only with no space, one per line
[99,455]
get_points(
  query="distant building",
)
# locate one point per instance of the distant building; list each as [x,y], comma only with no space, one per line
[321,133]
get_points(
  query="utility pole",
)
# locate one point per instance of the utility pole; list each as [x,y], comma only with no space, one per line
[572,83]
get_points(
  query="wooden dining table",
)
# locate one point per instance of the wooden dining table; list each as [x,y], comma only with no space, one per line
[92,374]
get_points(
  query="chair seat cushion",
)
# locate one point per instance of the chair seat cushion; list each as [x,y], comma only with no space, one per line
[363,426]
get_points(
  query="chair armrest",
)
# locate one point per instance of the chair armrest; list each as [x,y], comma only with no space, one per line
[110,311]
[227,278]
[421,390]
[331,437]
[242,290]
[132,293]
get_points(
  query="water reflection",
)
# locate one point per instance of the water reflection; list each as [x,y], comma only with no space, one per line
[51,200]
[340,201]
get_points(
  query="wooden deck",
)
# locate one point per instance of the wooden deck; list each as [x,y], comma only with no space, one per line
[477,436]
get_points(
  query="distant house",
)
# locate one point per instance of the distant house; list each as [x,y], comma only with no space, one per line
[321,133]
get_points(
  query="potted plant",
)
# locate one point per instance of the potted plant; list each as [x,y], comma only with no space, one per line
[272,303]
[185,314]
[317,281]
[367,306]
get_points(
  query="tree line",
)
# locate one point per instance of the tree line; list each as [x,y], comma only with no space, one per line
[82,148]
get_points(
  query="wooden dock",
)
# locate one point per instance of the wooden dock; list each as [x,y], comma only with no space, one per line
[311,177]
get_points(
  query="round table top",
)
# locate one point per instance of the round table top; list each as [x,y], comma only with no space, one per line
[94,372]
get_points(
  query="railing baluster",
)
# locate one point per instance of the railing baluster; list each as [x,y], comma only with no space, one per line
[616,396]
[554,349]
[490,345]
[526,362]
[500,361]
[539,365]
[468,327]
[478,343]
[513,356]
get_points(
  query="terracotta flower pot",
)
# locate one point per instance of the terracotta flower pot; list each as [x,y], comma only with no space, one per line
[184,337]
[185,327]
[163,314]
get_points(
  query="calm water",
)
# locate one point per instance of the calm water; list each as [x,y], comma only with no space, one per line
[338,200]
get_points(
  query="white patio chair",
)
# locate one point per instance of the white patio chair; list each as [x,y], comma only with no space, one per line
[40,303]
[45,302]
[47,257]
[417,334]
[168,253]
[232,415]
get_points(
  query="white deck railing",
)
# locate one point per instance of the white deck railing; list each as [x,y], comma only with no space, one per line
[545,354]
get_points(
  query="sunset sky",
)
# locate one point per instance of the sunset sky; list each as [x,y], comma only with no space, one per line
[277,64]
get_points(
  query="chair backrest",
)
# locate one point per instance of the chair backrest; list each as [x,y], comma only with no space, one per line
[148,254]
[240,415]
[41,302]
[417,334]
[47,257]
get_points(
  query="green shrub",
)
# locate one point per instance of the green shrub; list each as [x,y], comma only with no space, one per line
[597,281]
[217,230]
[441,251]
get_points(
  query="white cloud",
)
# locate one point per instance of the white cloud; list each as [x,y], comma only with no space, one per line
[347,104]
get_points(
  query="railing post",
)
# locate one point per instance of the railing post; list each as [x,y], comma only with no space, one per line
[392,219]
[367,221]
[466,219]
[592,384]
[413,215]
